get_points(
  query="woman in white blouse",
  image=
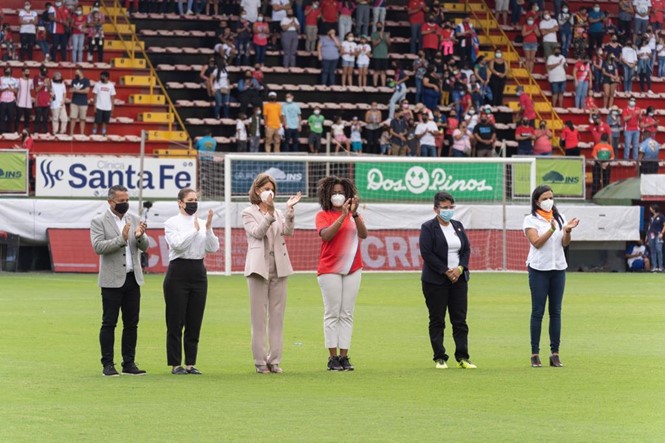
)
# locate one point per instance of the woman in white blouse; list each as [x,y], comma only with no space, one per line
[549,233]
[186,281]
[267,267]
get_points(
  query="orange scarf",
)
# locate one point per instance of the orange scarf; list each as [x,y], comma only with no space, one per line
[547,215]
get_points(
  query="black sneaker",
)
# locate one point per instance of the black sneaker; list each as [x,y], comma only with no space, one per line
[179,370]
[345,363]
[132,369]
[194,371]
[109,371]
[333,364]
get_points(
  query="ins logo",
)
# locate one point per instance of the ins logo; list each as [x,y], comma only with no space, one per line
[50,177]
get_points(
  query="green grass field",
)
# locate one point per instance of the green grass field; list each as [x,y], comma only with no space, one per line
[612,388]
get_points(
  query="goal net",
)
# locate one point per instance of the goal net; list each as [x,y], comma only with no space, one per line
[396,197]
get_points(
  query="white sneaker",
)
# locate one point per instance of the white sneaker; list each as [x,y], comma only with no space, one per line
[441,364]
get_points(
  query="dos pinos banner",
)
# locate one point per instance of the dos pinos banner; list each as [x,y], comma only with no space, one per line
[92,176]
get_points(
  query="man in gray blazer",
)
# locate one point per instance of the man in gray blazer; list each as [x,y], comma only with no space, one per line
[118,238]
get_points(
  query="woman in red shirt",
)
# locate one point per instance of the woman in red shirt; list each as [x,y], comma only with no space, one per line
[530,34]
[340,264]
[261,32]
[571,139]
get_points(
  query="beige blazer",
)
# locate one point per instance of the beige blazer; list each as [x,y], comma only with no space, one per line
[110,246]
[258,255]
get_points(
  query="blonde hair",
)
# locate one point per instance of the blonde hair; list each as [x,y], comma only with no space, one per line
[259,182]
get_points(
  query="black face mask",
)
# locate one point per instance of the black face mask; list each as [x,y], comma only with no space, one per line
[191,207]
[122,208]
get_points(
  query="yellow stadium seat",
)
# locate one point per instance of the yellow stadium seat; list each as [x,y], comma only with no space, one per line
[175,152]
[543,107]
[174,136]
[520,73]
[515,106]
[137,80]
[147,99]
[120,29]
[137,63]
[156,117]
[118,45]
[454,7]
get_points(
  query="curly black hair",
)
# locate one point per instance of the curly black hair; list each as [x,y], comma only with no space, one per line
[324,190]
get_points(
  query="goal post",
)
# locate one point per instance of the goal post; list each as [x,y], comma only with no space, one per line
[396,197]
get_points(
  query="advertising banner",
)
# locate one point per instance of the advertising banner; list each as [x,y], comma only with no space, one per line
[420,181]
[92,176]
[291,177]
[13,172]
[565,175]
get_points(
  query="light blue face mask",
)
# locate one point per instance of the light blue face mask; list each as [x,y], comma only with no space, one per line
[446,214]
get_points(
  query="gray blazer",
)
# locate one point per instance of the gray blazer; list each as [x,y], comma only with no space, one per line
[110,246]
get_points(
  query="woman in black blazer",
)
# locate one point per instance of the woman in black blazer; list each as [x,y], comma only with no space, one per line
[445,250]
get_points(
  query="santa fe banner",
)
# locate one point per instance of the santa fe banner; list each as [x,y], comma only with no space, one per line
[92,176]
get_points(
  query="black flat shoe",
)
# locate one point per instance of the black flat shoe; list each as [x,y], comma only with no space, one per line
[535,361]
[179,371]
[554,361]
[194,371]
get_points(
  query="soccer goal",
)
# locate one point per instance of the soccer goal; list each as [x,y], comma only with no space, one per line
[396,197]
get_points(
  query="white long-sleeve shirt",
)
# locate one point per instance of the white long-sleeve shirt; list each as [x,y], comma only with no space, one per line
[186,242]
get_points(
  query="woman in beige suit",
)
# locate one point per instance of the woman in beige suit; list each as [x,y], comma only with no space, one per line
[266,267]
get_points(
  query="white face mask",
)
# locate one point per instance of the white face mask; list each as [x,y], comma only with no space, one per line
[547,205]
[317,112]
[565,10]
[289,100]
[337,200]
[265,195]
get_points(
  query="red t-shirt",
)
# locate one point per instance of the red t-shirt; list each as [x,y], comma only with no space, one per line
[419,17]
[329,12]
[532,37]
[261,33]
[341,254]
[430,41]
[597,131]
[649,124]
[656,11]
[43,97]
[527,105]
[61,17]
[571,138]
[78,23]
[312,16]
[523,131]
[446,34]
[633,123]
[582,71]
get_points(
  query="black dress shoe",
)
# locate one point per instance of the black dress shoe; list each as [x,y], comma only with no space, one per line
[179,371]
[194,371]
[110,371]
[132,369]
[554,361]
[535,361]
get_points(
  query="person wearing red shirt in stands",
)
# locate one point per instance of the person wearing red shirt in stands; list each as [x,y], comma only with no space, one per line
[598,128]
[430,32]
[42,88]
[524,135]
[527,108]
[59,16]
[312,16]
[416,10]
[329,16]
[657,14]
[648,123]
[447,45]
[631,118]
[340,264]
[571,139]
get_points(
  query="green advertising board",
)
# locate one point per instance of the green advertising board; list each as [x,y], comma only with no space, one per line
[13,171]
[420,181]
[565,175]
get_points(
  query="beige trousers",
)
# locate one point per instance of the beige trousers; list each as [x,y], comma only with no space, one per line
[267,300]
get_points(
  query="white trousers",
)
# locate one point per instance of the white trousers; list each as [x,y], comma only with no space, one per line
[339,300]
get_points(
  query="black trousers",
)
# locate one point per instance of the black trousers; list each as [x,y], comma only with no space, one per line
[373,136]
[600,176]
[41,119]
[128,299]
[7,117]
[24,113]
[185,291]
[453,298]
[27,45]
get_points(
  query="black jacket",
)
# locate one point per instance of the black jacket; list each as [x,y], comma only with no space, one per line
[434,251]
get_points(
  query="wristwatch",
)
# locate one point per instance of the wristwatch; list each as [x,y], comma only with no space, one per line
[355,215]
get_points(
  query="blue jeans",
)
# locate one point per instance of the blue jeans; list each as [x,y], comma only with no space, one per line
[362,20]
[259,54]
[292,143]
[419,89]
[632,139]
[431,98]
[640,26]
[59,41]
[661,66]
[397,97]
[416,38]
[516,12]
[300,15]
[656,250]
[77,47]
[628,73]
[328,72]
[566,37]
[378,16]
[580,94]
[427,151]
[544,285]
[221,100]
[457,153]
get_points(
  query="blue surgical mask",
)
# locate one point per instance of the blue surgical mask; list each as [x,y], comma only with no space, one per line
[446,214]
